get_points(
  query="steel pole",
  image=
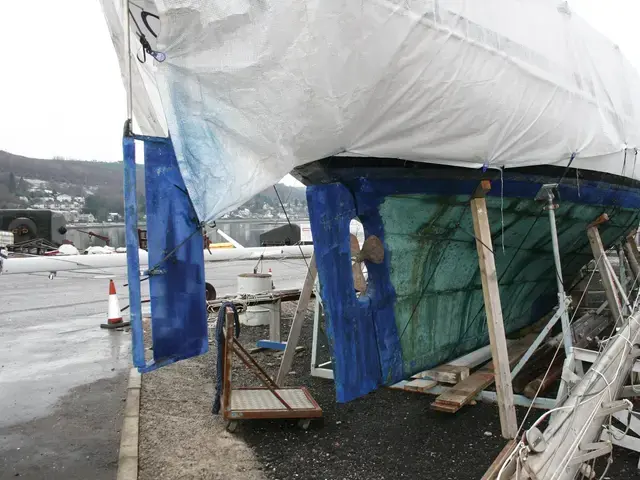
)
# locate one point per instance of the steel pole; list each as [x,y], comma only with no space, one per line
[562,297]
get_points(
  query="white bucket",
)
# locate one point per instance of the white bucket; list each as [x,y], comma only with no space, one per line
[251,283]
[254,283]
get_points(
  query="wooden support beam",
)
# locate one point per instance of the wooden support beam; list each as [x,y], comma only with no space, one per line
[494,468]
[599,254]
[631,251]
[298,320]
[493,309]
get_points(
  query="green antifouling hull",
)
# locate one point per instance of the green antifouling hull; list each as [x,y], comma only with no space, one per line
[424,304]
[439,308]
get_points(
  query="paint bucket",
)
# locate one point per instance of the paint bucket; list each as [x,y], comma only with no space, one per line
[253,283]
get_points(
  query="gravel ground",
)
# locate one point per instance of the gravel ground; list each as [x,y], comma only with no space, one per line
[387,434]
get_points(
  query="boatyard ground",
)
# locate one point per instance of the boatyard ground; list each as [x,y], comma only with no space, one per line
[63,379]
[386,435]
[62,390]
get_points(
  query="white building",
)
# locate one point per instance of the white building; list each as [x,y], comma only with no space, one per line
[86,218]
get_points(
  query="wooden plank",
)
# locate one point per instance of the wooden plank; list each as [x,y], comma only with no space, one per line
[298,320]
[400,385]
[420,385]
[599,255]
[465,391]
[494,469]
[493,309]
[451,374]
[475,358]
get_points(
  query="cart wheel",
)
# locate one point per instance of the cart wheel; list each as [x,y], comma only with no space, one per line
[210,292]
[304,423]
[231,425]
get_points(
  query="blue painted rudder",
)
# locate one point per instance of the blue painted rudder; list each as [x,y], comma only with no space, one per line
[176,259]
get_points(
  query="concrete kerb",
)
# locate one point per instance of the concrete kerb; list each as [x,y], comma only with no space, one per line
[128,456]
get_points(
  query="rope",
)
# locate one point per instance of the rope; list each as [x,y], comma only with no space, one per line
[220,343]
[176,248]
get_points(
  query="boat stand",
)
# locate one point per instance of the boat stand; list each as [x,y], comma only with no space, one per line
[267,402]
[573,368]
[571,371]
[320,370]
[630,423]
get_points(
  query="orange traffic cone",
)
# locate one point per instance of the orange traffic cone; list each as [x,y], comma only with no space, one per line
[114,318]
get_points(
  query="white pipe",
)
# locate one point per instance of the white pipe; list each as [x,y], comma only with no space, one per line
[255,253]
[62,263]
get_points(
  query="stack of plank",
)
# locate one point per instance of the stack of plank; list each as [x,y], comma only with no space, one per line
[460,381]
[455,383]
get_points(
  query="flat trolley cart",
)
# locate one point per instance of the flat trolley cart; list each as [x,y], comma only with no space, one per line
[269,401]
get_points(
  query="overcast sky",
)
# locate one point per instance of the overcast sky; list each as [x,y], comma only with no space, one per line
[60,87]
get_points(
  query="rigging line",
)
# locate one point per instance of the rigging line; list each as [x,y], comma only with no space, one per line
[571,159]
[524,239]
[135,23]
[504,272]
[555,355]
[136,5]
[175,249]
[289,222]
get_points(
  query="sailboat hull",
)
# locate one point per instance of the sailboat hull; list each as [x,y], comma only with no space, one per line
[423,304]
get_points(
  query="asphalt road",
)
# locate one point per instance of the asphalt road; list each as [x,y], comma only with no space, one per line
[63,379]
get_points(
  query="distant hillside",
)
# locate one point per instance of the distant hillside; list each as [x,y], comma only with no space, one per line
[66,172]
[100,182]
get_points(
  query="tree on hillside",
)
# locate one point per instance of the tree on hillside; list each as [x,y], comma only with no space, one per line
[100,206]
[12,183]
[22,188]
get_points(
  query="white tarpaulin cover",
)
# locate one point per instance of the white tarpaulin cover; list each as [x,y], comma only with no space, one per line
[250,89]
